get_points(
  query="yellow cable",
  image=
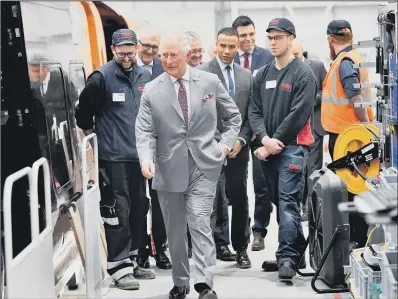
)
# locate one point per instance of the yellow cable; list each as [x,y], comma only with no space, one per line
[366,245]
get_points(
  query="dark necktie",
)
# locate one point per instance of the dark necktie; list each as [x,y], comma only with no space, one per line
[246,62]
[230,82]
[183,99]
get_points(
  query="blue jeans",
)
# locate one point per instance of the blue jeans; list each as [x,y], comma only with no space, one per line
[285,177]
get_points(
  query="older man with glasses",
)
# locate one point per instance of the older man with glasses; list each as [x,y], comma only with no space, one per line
[148,50]
[147,57]
[196,50]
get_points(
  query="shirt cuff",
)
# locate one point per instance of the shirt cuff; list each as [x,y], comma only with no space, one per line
[244,141]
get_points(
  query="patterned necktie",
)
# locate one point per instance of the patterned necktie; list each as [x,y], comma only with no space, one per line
[183,99]
[246,62]
[230,82]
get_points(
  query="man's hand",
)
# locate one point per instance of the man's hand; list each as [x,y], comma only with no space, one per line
[224,149]
[261,153]
[272,145]
[236,150]
[148,169]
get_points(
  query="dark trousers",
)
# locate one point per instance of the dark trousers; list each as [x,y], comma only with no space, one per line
[358,226]
[232,184]
[220,216]
[315,162]
[123,207]
[158,229]
[285,177]
[262,205]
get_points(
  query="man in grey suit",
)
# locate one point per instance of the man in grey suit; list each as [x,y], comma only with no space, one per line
[315,156]
[233,178]
[175,132]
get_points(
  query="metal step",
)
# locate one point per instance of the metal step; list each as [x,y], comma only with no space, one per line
[367,44]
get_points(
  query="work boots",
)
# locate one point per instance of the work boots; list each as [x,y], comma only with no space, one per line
[258,242]
[127,282]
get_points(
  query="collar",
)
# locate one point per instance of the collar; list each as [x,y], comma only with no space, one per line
[47,78]
[184,77]
[224,65]
[346,49]
[136,70]
[241,52]
[140,63]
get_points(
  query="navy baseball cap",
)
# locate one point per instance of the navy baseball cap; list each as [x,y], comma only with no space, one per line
[124,37]
[335,26]
[282,24]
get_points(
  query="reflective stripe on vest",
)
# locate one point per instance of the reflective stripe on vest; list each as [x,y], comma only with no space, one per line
[336,111]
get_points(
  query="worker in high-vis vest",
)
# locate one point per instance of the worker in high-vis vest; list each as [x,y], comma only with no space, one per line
[340,91]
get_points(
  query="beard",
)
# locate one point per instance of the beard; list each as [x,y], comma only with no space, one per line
[332,52]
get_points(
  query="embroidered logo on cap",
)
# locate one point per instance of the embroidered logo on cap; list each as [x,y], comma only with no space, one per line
[274,22]
[127,35]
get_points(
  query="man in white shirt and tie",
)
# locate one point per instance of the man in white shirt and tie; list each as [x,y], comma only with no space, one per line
[148,49]
[233,178]
[253,58]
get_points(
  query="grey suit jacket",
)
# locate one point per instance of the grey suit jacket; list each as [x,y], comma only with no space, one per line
[163,137]
[243,90]
[319,71]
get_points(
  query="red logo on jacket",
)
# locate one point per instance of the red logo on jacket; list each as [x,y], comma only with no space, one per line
[286,86]
[141,88]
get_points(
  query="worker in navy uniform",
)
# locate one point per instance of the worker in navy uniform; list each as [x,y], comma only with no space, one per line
[280,115]
[233,177]
[253,57]
[112,96]
[148,48]
[315,156]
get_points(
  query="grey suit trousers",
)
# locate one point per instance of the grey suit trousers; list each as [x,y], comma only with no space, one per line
[194,206]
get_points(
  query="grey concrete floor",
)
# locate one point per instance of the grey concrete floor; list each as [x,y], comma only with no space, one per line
[230,282]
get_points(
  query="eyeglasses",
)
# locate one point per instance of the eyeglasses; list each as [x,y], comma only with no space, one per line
[122,55]
[197,51]
[276,37]
[155,48]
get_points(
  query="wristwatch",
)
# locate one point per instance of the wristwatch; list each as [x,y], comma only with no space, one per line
[242,143]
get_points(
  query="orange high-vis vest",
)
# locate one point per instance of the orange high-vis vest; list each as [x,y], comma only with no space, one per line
[336,110]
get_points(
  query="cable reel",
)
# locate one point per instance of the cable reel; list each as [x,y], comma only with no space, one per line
[356,156]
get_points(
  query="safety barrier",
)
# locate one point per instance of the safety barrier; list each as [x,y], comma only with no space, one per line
[38,254]
[91,222]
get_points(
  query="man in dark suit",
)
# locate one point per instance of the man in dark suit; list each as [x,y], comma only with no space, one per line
[233,178]
[148,48]
[315,157]
[252,57]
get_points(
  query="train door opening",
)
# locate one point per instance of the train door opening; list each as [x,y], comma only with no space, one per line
[111,22]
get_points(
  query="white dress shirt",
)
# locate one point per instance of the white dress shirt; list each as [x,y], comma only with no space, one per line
[45,82]
[148,66]
[242,57]
[185,79]
[224,71]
